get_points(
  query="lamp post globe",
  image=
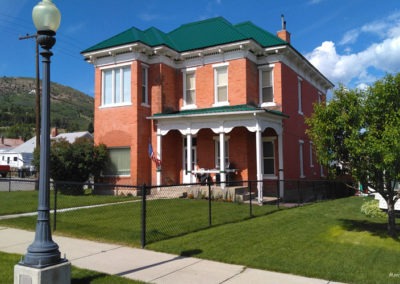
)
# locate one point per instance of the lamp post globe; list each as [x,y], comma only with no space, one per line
[44,252]
[46,16]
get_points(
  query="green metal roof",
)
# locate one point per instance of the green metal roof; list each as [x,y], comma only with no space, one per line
[217,110]
[206,33]
[196,35]
[264,38]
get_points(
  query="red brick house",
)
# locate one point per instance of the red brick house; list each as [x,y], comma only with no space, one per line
[236,95]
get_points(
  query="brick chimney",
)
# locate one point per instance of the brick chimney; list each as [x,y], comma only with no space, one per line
[284,34]
[54,132]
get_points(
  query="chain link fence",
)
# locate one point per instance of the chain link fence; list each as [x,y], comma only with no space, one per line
[144,214]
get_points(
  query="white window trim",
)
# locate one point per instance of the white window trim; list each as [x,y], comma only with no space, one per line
[300,95]
[185,72]
[301,158]
[216,102]
[269,176]
[113,68]
[146,95]
[260,70]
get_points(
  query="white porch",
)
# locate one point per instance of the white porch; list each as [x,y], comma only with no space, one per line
[222,121]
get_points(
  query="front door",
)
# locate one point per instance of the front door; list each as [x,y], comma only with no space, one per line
[189,177]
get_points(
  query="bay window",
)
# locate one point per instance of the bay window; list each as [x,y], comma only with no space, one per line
[120,162]
[116,86]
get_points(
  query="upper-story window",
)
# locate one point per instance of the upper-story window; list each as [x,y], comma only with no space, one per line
[145,92]
[221,84]
[189,96]
[116,86]
[299,94]
[266,86]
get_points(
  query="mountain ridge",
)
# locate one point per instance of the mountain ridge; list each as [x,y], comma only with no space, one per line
[70,109]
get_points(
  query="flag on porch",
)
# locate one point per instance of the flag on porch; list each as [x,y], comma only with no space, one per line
[153,156]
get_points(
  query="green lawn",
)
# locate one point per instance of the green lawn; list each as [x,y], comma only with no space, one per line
[78,276]
[27,201]
[330,240]
[166,218]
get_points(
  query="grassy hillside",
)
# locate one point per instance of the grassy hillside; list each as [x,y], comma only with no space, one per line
[71,109]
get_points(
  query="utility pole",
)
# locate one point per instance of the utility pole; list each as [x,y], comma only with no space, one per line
[37,89]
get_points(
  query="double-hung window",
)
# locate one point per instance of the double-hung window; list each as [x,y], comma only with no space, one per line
[116,86]
[300,95]
[189,96]
[145,92]
[301,158]
[221,84]
[266,86]
[120,162]
[269,157]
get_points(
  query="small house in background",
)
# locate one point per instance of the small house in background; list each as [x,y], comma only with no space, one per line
[21,156]
[228,99]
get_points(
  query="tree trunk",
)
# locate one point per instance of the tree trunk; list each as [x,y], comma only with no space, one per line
[391,216]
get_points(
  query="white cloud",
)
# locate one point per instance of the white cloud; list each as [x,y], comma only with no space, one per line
[350,37]
[360,68]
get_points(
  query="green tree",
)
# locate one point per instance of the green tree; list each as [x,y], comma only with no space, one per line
[74,162]
[25,131]
[360,130]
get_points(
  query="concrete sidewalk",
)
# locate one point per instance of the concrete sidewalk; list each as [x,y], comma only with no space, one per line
[146,265]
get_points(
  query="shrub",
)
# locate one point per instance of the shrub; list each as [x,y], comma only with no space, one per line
[74,163]
[372,210]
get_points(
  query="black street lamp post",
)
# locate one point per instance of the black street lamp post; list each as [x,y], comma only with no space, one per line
[43,252]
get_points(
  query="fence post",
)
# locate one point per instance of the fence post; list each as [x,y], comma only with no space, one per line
[55,208]
[143,215]
[9,181]
[209,202]
[251,204]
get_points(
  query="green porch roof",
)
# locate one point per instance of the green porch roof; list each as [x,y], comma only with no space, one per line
[217,110]
[191,36]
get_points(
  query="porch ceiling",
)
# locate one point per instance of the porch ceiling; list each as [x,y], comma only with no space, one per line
[219,119]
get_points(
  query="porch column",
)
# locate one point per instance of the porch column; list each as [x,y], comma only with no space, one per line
[281,175]
[259,158]
[189,157]
[158,172]
[222,159]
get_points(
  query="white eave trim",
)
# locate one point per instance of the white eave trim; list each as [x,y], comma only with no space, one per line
[215,114]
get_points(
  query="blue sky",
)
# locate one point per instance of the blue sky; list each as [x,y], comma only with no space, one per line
[353,42]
